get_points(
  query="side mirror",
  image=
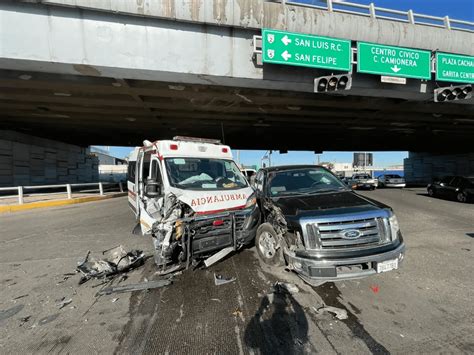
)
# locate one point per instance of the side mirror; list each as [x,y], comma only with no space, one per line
[152,188]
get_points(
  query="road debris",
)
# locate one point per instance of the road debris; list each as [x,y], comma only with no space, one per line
[286,287]
[24,320]
[237,313]
[17,298]
[339,313]
[116,260]
[64,302]
[221,280]
[114,300]
[135,287]
[218,256]
[375,289]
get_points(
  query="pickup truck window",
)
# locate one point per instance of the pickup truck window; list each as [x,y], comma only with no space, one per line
[302,181]
[204,174]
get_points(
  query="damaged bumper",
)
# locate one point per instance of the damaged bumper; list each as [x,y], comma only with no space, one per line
[317,270]
[229,229]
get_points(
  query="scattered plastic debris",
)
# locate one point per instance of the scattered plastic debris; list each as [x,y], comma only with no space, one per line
[339,313]
[221,280]
[218,256]
[286,287]
[374,288]
[116,260]
[134,287]
[24,320]
[237,312]
[63,302]
[114,300]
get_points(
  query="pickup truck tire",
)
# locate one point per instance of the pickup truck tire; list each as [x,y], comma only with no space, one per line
[431,192]
[268,247]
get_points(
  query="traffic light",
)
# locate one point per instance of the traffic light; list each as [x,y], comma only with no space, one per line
[453,93]
[333,83]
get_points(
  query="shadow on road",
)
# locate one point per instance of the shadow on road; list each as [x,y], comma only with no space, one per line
[279,326]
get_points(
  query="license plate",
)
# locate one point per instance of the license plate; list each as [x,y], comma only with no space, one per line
[388,265]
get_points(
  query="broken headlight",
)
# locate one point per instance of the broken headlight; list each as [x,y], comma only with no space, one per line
[251,201]
[394,228]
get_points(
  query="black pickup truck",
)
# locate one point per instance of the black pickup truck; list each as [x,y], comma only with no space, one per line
[318,227]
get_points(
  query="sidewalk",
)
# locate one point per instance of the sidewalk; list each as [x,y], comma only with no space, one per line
[10,204]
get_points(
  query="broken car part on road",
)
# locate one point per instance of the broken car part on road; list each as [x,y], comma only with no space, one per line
[135,287]
[116,261]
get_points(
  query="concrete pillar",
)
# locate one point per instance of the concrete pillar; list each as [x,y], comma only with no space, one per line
[422,168]
[27,160]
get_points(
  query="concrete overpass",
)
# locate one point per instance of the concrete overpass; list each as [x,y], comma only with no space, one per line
[115,72]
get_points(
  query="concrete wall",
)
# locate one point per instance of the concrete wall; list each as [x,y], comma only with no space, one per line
[27,160]
[422,168]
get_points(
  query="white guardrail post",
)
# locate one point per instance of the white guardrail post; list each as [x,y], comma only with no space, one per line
[20,195]
[372,10]
[101,189]
[330,9]
[69,191]
[120,186]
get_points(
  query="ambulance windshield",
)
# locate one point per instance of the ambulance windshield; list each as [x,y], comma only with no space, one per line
[204,174]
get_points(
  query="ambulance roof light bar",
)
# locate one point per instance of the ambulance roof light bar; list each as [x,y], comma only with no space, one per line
[197,140]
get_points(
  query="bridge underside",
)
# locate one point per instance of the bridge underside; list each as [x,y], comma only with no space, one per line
[86,110]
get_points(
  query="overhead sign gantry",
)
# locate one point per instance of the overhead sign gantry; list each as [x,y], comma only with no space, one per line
[281,47]
[393,61]
[454,68]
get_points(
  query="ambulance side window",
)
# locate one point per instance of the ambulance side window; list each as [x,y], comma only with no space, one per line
[131,171]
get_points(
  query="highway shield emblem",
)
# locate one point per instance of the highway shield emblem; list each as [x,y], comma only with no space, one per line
[270,53]
[270,38]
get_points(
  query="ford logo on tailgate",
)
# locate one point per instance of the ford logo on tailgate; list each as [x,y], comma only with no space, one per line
[350,234]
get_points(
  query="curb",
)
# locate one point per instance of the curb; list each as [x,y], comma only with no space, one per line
[56,203]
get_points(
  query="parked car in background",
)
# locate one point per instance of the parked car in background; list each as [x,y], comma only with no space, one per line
[317,226]
[460,188]
[363,181]
[391,180]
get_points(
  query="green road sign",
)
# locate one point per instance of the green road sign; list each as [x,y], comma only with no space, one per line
[280,47]
[393,61]
[455,68]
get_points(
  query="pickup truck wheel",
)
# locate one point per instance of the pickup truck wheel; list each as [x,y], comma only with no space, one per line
[431,192]
[268,247]
[461,196]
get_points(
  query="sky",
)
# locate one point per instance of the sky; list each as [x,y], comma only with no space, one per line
[455,9]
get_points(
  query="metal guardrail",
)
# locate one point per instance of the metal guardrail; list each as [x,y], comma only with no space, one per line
[21,189]
[389,14]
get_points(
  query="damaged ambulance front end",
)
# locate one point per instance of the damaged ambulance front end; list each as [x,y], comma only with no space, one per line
[196,204]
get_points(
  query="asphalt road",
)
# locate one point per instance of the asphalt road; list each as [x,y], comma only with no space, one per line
[425,307]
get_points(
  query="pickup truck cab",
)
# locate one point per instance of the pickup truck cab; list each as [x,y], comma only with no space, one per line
[191,198]
[321,229]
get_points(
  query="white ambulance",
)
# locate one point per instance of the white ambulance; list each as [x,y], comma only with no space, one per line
[190,196]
